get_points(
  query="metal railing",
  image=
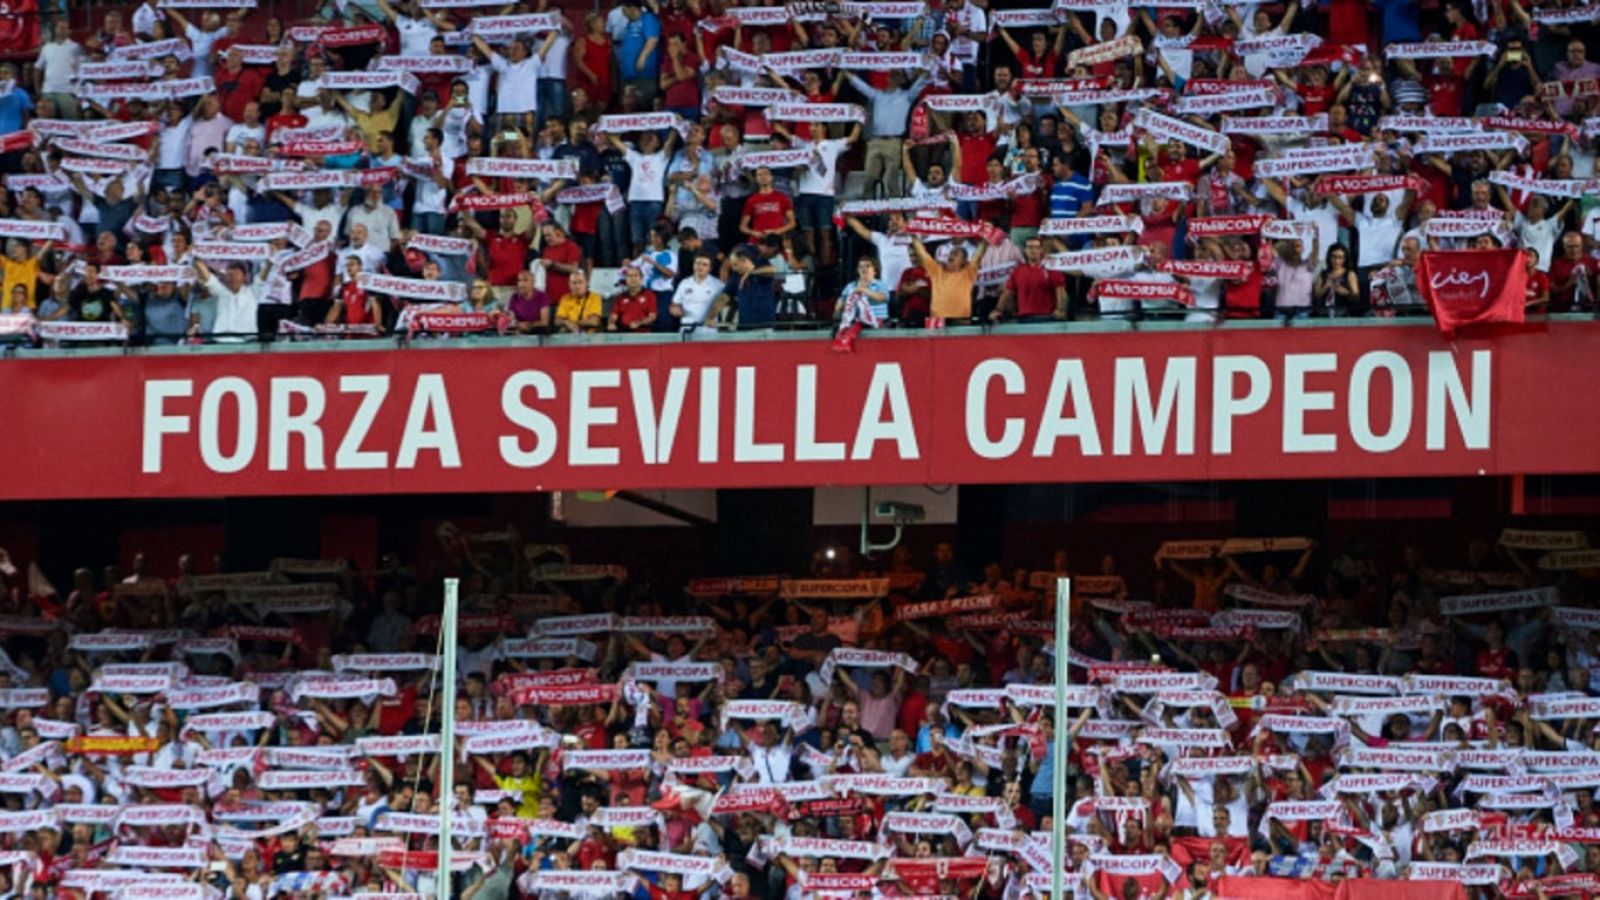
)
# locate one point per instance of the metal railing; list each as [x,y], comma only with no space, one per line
[248,343]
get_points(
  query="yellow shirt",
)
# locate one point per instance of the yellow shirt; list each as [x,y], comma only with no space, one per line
[530,787]
[952,291]
[25,273]
[575,309]
[372,124]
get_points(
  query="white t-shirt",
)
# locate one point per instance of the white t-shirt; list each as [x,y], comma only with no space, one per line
[236,312]
[824,183]
[894,256]
[966,48]
[415,35]
[921,190]
[372,258]
[696,297]
[144,20]
[202,43]
[517,91]
[1325,217]
[554,63]
[896,767]
[772,763]
[173,146]
[317,117]
[1540,236]
[1207,295]
[1380,236]
[454,128]
[616,23]
[1591,224]
[430,196]
[241,132]
[477,82]
[311,215]
[59,60]
[649,181]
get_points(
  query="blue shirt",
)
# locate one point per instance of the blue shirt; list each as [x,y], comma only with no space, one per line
[757,302]
[1068,197]
[13,108]
[1401,24]
[1043,780]
[680,163]
[639,31]
[880,311]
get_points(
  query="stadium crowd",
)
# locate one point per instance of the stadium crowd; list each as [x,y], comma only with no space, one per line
[888,733]
[195,170]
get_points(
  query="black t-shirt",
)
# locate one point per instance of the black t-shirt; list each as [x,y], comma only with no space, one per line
[285,861]
[808,641]
[283,84]
[91,305]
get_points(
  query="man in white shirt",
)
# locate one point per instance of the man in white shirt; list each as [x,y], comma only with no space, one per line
[771,753]
[1378,228]
[145,17]
[937,187]
[894,247]
[379,220]
[58,65]
[616,23]
[305,93]
[202,39]
[517,88]
[372,256]
[417,27]
[1310,206]
[896,760]
[967,26]
[236,300]
[321,209]
[433,184]
[695,294]
[325,113]
[647,189]
[250,129]
[553,53]
[819,185]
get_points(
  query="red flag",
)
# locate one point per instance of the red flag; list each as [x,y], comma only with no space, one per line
[15,141]
[1473,287]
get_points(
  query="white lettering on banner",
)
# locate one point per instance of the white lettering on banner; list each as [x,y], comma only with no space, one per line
[1151,414]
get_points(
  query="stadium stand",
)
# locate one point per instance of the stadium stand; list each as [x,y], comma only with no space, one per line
[1278,718]
[192,171]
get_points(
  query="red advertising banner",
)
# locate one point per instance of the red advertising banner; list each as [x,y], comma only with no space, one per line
[1473,287]
[1233,403]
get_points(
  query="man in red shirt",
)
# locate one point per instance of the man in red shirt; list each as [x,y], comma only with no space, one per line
[508,251]
[1177,165]
[238,84]
[1032,293]
[1316,94]
[1538,293]
[1028,207]
[315,288]
[1572,275]
[766,211]
[560,257]
[635,308]
[974,145]
[286,118]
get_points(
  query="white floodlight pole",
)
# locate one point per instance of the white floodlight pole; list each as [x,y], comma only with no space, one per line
[447,731]
[1058,786]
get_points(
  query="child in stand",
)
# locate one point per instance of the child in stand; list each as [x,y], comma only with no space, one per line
[864,303]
